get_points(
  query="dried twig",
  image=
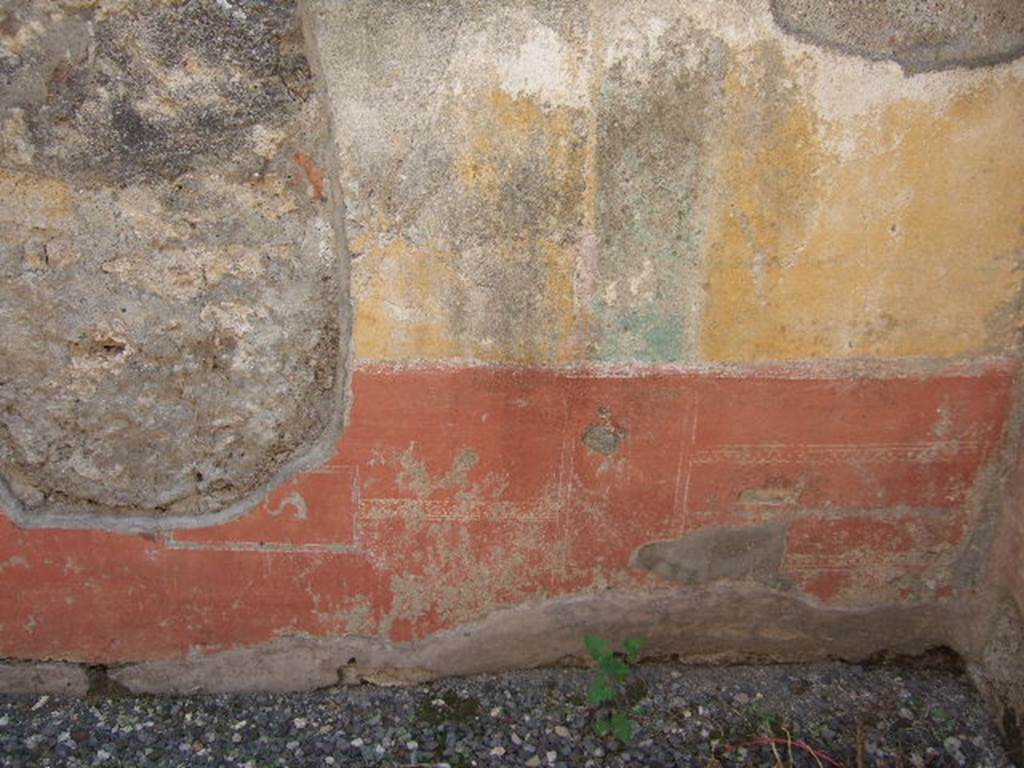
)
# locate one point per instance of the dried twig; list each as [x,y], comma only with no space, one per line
[818,755]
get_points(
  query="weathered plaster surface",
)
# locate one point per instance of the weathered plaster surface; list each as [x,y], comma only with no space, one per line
[654,307]
[891,234]
[454,494]
[999,672]
[43,677]
[461,133]
[712,624]
[999,667]
[171,302]
[671,181]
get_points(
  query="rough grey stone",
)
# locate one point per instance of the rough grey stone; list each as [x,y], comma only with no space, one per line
[146,90]
[921,36]
[755,552]
[173,303]
[999,672]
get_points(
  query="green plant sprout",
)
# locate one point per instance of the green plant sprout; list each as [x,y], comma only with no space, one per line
[608,688]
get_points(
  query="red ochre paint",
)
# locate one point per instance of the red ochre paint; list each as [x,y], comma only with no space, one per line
[457,491]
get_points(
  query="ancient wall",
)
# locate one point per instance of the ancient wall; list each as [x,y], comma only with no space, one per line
[999,666]
[381,340]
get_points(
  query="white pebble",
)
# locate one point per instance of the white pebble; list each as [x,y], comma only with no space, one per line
[496,712]
[561,730]
[356,742]
[498,751]
[412,746]
[299,722]
[551,756]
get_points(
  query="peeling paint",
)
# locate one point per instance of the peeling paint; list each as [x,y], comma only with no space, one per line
[430,515]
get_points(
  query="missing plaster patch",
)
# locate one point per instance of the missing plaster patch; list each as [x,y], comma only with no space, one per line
[754,553]
[603,436]
[923,36]
[1000,674]
[777,492]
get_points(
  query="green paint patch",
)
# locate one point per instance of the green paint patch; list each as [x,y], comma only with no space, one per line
[638,336]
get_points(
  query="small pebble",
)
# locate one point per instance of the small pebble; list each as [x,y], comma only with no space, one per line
[694,715]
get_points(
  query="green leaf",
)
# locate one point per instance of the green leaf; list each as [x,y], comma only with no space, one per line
[601,689]
[622,727]
[602,727]
[599,647]
[614,667]
[633,646]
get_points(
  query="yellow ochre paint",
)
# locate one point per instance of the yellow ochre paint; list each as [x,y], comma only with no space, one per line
[507,296]
[905,243]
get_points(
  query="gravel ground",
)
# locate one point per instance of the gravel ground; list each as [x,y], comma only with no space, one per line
[818,714]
